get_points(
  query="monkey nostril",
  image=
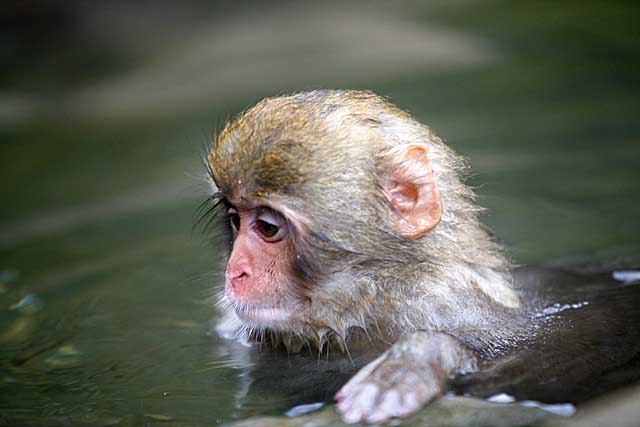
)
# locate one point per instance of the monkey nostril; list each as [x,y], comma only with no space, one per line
[238,280]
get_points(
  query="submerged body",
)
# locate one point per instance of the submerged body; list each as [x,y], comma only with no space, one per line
[586,340]
[350,221]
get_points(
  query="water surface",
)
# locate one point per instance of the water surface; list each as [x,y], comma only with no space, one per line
[105,300]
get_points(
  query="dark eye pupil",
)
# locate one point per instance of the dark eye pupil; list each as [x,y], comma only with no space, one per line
[235,220]
[267,229]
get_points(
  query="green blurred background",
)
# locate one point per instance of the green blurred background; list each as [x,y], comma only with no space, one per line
[106,110]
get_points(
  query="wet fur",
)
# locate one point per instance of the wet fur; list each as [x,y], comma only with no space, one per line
[359,274]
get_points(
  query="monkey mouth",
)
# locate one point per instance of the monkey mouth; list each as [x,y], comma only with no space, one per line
[263,316]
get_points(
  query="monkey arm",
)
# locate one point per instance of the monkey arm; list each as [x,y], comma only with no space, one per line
[407,376]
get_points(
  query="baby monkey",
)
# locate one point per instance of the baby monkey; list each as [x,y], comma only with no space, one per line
[350,221]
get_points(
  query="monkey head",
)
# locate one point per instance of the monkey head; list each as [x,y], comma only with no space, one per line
[326,193]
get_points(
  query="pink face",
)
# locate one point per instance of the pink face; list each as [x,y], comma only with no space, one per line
[259,278]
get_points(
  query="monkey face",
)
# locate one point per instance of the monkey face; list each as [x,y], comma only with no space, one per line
[259,272]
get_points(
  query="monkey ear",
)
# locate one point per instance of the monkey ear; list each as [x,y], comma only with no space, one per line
[409,183]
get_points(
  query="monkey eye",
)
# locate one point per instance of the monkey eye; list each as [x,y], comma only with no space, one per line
[270,225]
[234,219]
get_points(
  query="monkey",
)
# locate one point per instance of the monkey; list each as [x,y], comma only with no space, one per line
[350,224]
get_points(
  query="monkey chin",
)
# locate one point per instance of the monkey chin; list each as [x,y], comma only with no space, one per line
[263,316]
[276,318]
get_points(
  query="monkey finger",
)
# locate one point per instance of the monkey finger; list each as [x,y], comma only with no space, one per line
[360,377]
[389,406]
[407,395]
[357,407]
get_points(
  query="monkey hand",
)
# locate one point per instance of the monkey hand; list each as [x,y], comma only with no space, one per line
[404,378]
